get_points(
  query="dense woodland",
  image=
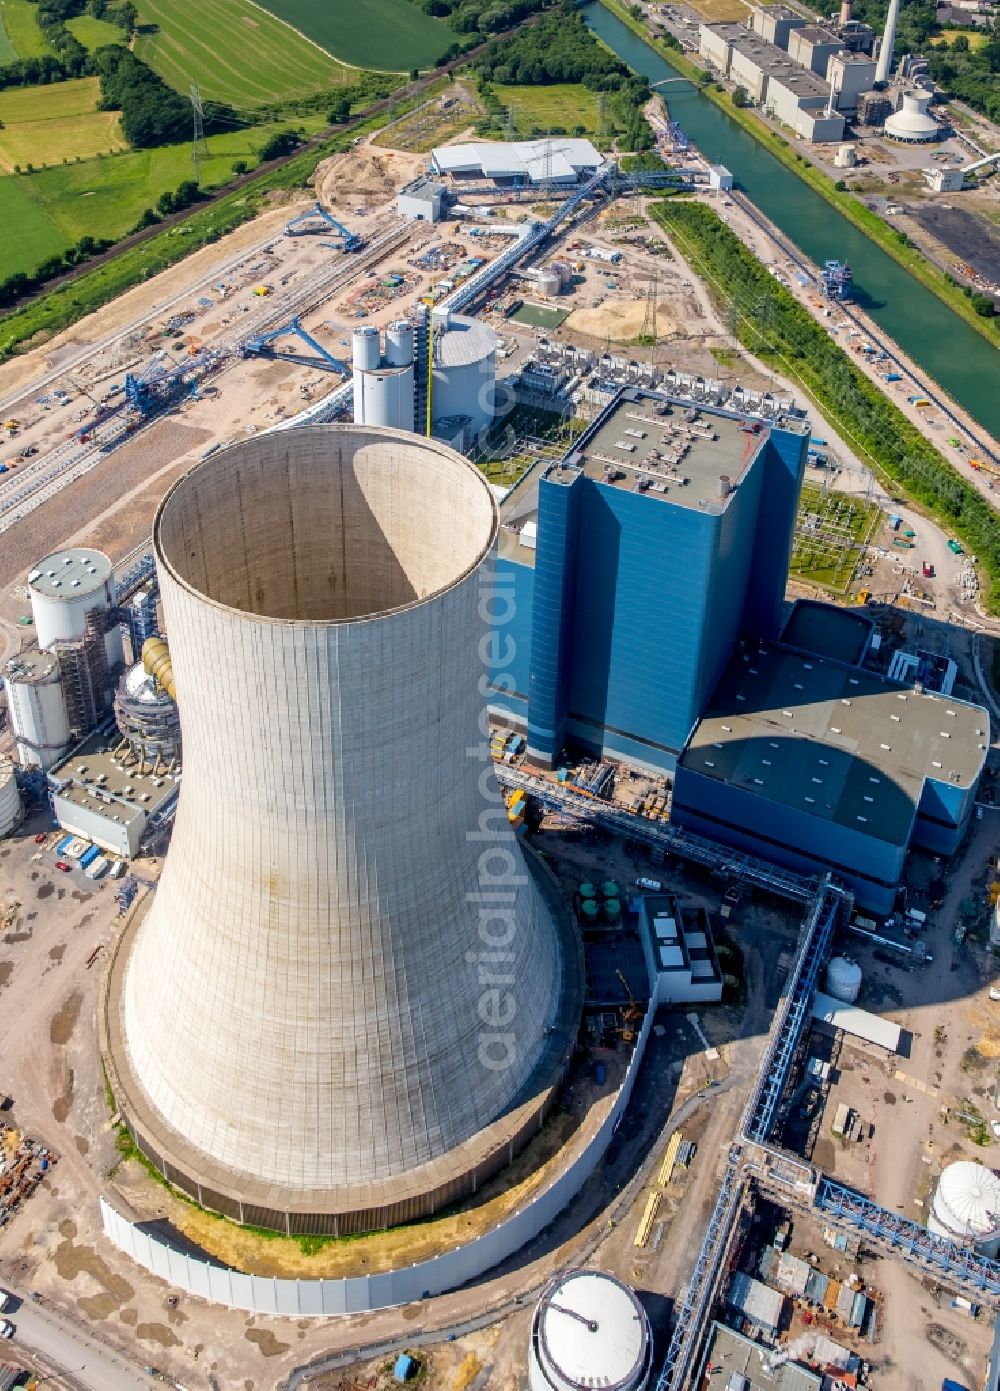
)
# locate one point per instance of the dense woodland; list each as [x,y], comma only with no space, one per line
[769,320]
[560,48]
[474,20]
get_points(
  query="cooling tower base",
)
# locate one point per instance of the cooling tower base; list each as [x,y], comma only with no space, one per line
[367,1207]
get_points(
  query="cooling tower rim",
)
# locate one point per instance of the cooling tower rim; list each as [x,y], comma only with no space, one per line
[286,442]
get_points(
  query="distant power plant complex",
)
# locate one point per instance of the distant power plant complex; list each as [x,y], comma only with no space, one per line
[305,1030]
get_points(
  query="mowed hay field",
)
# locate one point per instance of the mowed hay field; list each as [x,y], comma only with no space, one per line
[235,51]
[21,28]
[50,125]
[94,33]
[564,104]
[386,35]
[8,53]
[105,197]
[27,234]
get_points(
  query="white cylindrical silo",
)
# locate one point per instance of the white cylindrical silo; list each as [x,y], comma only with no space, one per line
[843,979]
[64,588]
[464,370]
[589,1330]
[297,1031]
[366,348]
[564,270]
[399,343]
[549,282]
[384,398]
[11,807]
[37,709]
[966,1207]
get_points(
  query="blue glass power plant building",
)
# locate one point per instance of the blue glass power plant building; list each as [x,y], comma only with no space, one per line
[633,566]
[641,580]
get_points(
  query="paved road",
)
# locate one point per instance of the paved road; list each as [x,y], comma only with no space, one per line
[84,1362]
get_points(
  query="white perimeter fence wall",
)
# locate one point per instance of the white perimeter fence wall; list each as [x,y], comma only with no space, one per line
[359,1294]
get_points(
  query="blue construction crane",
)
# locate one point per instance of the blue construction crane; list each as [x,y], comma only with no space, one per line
[317,221]
[262,345]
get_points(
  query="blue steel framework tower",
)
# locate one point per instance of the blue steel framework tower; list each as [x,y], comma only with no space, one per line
[630,603]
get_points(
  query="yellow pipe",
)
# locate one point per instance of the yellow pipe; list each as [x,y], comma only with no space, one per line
[157,663]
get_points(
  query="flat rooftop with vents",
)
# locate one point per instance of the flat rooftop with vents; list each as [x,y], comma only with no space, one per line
[99,794]
[826,766]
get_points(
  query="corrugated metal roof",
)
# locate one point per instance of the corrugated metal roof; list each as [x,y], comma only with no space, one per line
[758,1302]
[851,1020]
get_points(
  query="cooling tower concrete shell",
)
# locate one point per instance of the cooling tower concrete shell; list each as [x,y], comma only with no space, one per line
[966,1206]
[344,1006]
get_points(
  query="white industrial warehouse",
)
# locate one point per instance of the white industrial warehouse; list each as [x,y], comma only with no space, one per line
[557,160]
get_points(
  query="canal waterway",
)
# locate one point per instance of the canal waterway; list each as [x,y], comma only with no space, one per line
[964,363]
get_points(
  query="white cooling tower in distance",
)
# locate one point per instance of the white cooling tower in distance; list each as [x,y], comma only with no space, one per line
[11,806]
[843,979]
[966,1206]
[464,369]
[589,1330]
[297,1031]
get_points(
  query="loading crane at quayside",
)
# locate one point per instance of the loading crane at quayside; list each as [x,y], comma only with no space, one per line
[262,345]
[316,221]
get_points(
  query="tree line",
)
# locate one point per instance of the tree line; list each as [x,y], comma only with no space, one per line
[767,319]
[561,49]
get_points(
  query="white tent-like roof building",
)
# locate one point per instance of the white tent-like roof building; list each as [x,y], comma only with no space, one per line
[558,159]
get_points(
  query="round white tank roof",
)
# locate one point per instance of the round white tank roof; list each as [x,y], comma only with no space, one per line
[71,573]
[463,342]
[971,1193]
[591,1331]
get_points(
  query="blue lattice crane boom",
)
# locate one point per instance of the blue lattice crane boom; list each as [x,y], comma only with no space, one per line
[262,345]
[316,221]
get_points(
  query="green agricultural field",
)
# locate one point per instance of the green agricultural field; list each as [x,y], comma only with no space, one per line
[566,105]
[235,52]
[8,53]
[94,33]
[27,234]
[49,125]
[106,197]
[387,35]
[22,30]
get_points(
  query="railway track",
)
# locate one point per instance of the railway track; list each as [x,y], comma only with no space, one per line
[33,486]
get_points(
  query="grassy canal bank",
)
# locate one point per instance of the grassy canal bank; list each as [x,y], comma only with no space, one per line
[887,238]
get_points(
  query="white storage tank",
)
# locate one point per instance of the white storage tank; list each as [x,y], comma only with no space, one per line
[64,588]
[366,349]
[966,1207]
[564,271]
[589,1330]
[549,282]
[399,343]
[384,397]
[465,366]
[37,709]
[843,979]
[11,807]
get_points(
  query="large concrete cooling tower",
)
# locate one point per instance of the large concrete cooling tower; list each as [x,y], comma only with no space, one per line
[343,1007]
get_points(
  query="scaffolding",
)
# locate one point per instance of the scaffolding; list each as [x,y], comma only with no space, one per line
[87,681]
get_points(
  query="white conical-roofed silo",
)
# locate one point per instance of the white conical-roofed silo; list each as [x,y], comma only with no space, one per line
[347,974]
[589,1330]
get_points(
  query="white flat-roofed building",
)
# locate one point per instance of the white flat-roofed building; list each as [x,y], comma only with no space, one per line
[775,23]
[813,47]
[681,963]
[423,200]
[557,159]
[851,74]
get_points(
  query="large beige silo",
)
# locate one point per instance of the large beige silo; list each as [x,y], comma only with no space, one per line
[301,1031]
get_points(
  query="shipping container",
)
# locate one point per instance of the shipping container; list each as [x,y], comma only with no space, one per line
[89,856]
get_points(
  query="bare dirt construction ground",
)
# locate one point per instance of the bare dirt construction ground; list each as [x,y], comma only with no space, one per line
[121,312]
[364,175]
[965,234]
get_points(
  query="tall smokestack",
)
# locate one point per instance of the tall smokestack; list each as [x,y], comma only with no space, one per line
[884,67]
[846,10]
[344,1004]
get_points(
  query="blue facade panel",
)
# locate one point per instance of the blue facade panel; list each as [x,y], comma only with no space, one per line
[555,599]
[511,646]
[781,465]
[787,836]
